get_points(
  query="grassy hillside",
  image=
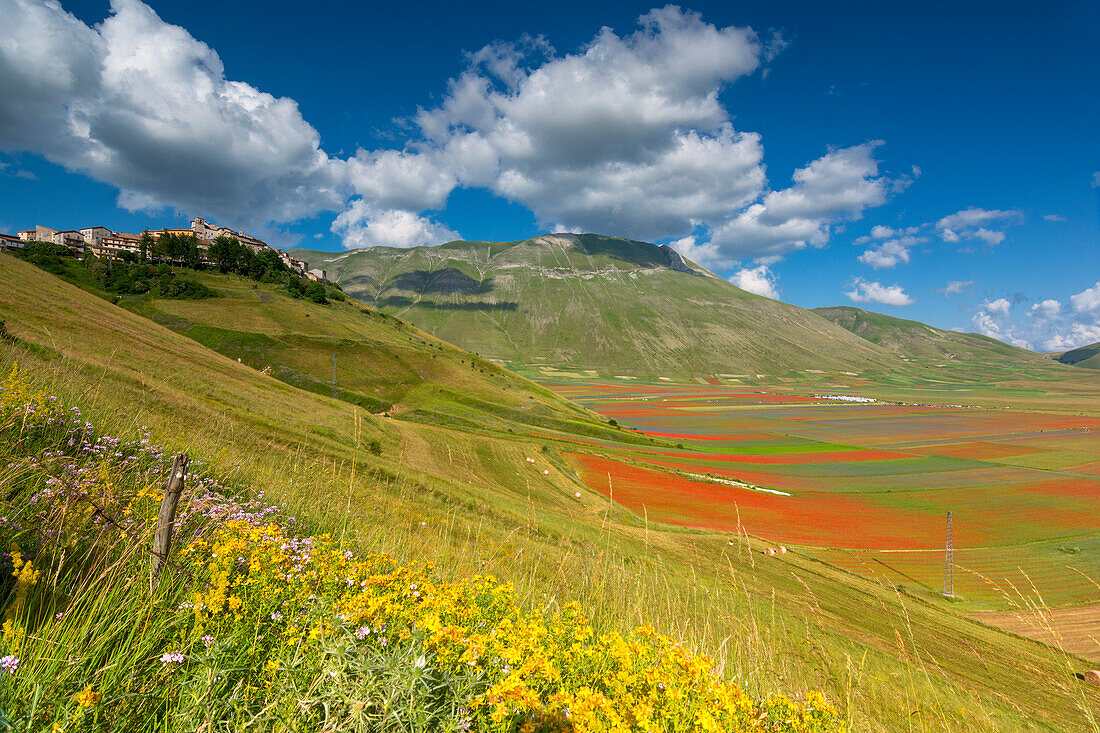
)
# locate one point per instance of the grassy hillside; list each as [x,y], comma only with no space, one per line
[379,363]
[914,339]
[593,302]
[467,498]
[1087,357]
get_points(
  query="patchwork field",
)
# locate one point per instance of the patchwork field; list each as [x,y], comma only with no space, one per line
[868,486]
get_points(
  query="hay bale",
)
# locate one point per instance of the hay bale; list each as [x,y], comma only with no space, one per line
[770,552]
[576,494]
[1092,677]
[782,550]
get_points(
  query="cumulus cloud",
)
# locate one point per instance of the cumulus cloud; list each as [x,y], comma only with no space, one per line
[362,225]
[1096,179]
[1046,309]
[141,105]
[890,253]
[626,135]
[1087,301]
[880,232]
[760,280]
[1048,324]
[992,319]
[985,225]
[835,187]
[864,291]
[1074,336]
[1053,217]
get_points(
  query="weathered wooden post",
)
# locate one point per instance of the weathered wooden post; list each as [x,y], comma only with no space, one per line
[162,539]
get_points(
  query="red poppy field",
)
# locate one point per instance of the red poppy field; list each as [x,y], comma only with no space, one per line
[866,487]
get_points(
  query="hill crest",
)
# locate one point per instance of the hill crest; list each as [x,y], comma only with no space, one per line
[914,339]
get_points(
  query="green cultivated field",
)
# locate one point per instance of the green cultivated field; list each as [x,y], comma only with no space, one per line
[444,478]
[1024,504]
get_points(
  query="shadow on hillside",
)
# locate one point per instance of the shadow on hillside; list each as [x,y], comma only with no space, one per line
[447,281]
[639,254]
[400,301]
[357,281]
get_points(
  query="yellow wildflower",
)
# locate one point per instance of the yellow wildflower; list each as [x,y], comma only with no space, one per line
[86,698]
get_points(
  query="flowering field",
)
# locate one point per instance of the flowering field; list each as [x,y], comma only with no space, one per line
[255,623]
[867,486]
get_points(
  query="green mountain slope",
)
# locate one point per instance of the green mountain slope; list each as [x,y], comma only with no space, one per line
[592,302]
[1083,356]
[914,339]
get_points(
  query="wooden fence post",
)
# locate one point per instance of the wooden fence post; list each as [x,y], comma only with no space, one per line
[162,539]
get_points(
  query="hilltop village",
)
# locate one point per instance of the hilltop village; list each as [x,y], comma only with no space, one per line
[118,246]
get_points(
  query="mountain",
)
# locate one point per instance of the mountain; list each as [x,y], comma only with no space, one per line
[913,339]
[594,302]
[1083,356]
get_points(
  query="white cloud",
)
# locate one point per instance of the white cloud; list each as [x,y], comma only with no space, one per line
[1096,179]
[985,225]
[1046,309]
[759,280]
[1053,217]
[890,253]
[992,319]
[696,250]
[956,286]
[140,104]
[362,225]
[1075,336]
[864,291]
[1000,306]
[645,148]
[880,232]
[1087,301]
[1046,323]
[835,187]
[990,237]
[401,180]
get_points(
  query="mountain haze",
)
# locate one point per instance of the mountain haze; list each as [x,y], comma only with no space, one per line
[913,339]
[593,302]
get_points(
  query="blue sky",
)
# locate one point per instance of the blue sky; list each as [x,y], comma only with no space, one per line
[944,155]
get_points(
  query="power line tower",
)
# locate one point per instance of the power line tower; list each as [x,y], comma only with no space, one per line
[948,575]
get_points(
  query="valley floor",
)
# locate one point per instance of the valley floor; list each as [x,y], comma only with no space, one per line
[867,487]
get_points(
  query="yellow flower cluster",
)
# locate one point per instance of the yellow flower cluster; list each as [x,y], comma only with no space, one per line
[34,409]
[25,576]
[538,672]
[86,698]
